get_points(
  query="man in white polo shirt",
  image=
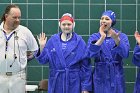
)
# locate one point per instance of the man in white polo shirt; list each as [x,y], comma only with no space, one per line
[15,41]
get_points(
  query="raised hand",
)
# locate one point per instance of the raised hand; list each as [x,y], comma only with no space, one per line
[103,35]
[137,37]
[115,36]
[42,40]
[102,31]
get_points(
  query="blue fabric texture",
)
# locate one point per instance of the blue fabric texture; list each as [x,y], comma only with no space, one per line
[136,61]
[70,71]
[108,75]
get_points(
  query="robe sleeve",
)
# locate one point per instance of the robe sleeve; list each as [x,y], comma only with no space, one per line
[136,56]
[85,69]
[42,57]
[86,75]
[93,50]
[123,48]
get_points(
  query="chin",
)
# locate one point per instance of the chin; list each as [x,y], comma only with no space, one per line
[66,31]
[14,27]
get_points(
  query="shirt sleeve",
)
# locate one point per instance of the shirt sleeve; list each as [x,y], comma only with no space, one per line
[31,41]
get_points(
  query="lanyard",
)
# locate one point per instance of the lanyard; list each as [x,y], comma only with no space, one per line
[7,39]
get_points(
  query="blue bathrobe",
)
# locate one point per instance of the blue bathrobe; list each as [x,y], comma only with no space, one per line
[136,61]
[108,75]
[70,70]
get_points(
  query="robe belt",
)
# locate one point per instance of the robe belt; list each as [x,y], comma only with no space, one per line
[112,67]
[66,70]
[111,71]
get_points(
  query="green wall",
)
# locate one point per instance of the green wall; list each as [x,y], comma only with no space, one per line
[43,15]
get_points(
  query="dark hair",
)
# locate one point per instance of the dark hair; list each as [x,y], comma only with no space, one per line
[7,10]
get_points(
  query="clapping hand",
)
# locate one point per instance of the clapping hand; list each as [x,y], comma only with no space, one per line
[102,31]
[115,36]
[137,37]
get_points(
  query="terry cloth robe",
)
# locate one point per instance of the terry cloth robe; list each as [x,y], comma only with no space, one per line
[69,72]
[136,61]
[108,75]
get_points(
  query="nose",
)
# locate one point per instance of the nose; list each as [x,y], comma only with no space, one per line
[17,19]
[66,26]
[103,22]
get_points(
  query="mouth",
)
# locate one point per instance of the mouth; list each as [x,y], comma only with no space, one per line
[66,29]
[105,25]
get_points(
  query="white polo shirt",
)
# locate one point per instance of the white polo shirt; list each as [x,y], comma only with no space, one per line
[24,41]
